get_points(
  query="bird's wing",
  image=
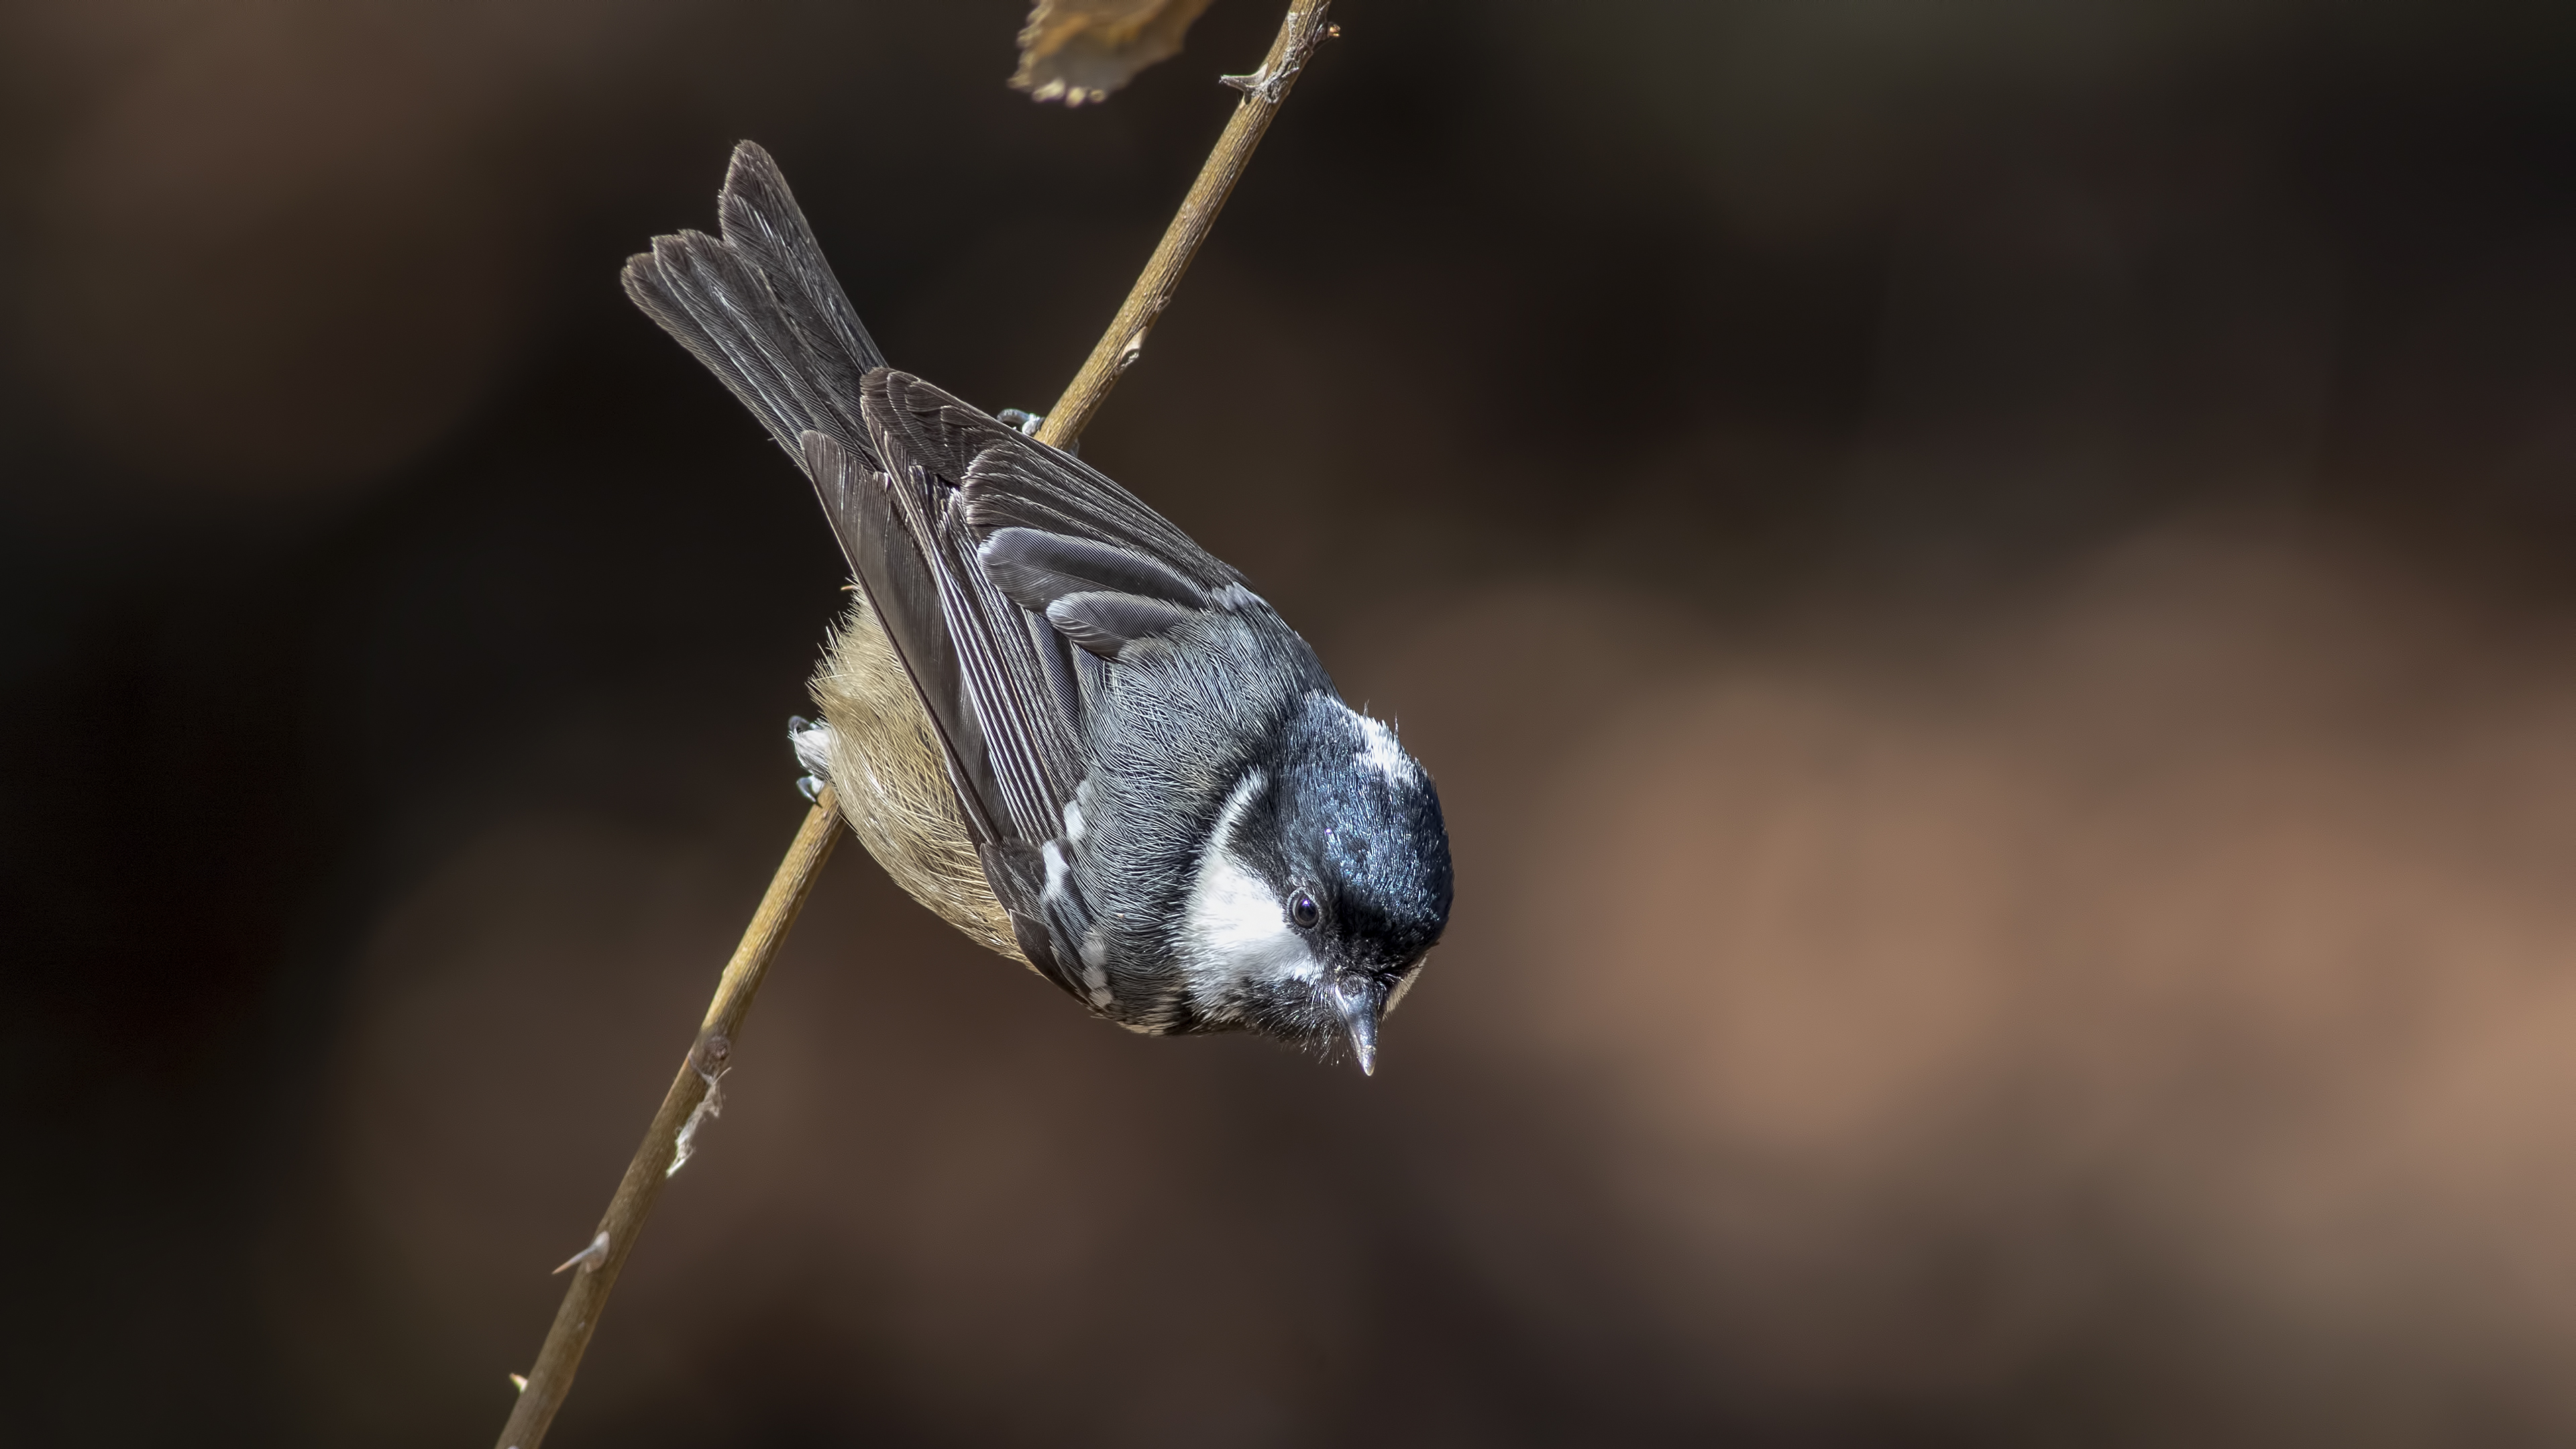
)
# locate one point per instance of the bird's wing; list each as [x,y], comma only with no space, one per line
[1047,572]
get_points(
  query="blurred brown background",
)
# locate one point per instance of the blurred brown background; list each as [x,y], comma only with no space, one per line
[1987,586]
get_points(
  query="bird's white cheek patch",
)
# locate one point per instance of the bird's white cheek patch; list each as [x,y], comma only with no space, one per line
[1233,929]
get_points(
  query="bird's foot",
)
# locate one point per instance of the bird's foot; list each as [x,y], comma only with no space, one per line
[1027,423]
[812,741]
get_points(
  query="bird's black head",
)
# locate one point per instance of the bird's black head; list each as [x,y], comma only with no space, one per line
[1323,886]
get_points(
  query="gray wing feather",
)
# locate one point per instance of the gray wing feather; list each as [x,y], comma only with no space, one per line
[1035,567]
[929,440]
[1022,483]
[899,587]
[1107,623]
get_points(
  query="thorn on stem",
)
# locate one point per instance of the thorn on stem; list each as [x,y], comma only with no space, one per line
[519,1382]
[1263,83]
[1271,83]
[590,1257]
[710,1105]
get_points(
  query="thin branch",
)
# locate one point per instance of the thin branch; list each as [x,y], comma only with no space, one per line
[595,1267]
[1263,90]
[666,1144]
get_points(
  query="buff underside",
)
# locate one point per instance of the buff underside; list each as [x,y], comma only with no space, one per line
[893,784]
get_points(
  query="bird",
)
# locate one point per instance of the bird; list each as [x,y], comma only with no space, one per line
[1055,720]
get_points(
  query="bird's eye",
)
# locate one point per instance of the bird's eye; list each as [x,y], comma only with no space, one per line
[1303,910]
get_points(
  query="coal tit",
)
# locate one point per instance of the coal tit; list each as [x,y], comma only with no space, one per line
[1055,720]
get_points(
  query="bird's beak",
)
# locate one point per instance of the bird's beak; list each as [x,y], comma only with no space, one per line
[1359,1008]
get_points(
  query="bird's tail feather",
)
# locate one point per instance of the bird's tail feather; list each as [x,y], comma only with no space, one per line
[761,308]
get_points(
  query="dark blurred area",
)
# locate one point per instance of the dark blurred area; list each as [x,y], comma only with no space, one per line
[1987,587]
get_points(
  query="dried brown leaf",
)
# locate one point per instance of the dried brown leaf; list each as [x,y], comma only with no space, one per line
[1080,50]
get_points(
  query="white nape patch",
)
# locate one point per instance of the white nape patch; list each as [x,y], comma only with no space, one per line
[1380,752]
[1232,925]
